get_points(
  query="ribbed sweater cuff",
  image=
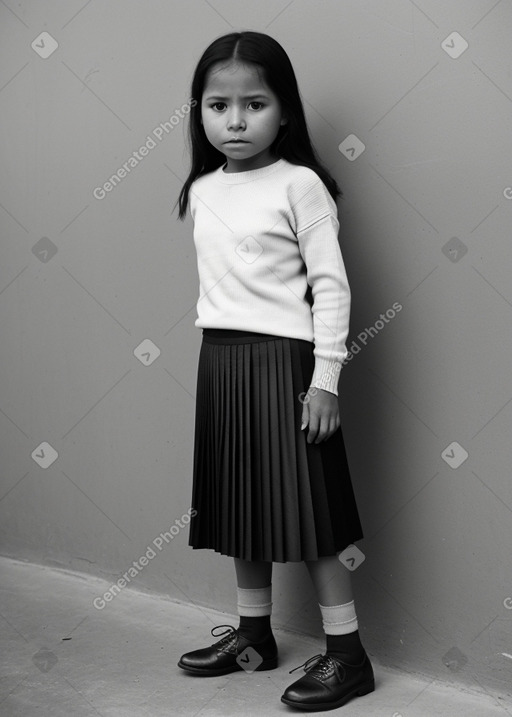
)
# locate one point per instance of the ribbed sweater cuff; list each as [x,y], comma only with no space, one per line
[326,375]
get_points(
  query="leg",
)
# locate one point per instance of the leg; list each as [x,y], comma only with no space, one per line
[333,585]
[332,581]
[254,601]
[344,671]
[254,598]
[253,574]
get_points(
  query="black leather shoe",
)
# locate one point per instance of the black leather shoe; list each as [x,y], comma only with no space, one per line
[329,683]
[231,653]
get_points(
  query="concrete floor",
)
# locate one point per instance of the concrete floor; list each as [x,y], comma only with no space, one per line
[63,657]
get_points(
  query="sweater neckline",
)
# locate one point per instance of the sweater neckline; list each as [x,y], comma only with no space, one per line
[249,175]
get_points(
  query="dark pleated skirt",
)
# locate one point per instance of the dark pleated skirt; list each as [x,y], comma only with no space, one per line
[262,492]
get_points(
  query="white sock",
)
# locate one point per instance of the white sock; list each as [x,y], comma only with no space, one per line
[339,619]
[254,602]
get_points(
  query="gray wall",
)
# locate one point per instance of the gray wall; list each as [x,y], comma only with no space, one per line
[425,222]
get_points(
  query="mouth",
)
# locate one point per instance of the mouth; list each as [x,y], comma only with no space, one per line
[236,141]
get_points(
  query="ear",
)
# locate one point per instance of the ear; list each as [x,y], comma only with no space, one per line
[284,120]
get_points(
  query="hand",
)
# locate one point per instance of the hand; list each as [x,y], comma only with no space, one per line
[322,413]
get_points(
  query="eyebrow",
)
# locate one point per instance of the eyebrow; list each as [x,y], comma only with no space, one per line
[247,97]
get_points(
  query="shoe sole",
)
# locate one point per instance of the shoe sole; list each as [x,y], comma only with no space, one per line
[265,665]
[321,706]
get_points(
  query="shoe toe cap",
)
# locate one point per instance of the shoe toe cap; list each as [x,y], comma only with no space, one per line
[303,693]
[197,658]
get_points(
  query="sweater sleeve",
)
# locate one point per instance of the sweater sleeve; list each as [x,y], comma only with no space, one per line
[317,227]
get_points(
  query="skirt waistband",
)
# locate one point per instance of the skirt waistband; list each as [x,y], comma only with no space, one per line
[234,336]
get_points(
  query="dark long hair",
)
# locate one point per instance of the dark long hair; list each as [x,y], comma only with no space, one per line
[292,141]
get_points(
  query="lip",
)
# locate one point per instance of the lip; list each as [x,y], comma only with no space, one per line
[236,141]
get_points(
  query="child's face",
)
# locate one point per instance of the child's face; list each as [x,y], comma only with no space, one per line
[237,103]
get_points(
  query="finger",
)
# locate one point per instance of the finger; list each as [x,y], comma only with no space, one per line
[314,425]
[323,429]
[305,416]
[331,427]
[334,424]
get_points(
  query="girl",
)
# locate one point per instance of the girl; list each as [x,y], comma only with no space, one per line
[274,309]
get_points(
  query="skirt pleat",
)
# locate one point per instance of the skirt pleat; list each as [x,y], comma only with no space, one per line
[260,491]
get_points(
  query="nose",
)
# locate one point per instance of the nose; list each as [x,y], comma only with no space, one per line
[236,120]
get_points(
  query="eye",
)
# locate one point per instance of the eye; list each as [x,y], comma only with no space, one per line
[216,104]
[254,102]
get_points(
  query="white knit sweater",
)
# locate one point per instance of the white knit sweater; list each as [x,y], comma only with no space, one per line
[263,237]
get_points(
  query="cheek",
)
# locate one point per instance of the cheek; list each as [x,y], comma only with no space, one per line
[274,121]
[212,121]
[208,125]
[272,127]
[266,124]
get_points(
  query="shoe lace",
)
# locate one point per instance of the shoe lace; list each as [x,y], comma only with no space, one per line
[318,665]
[229,634]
